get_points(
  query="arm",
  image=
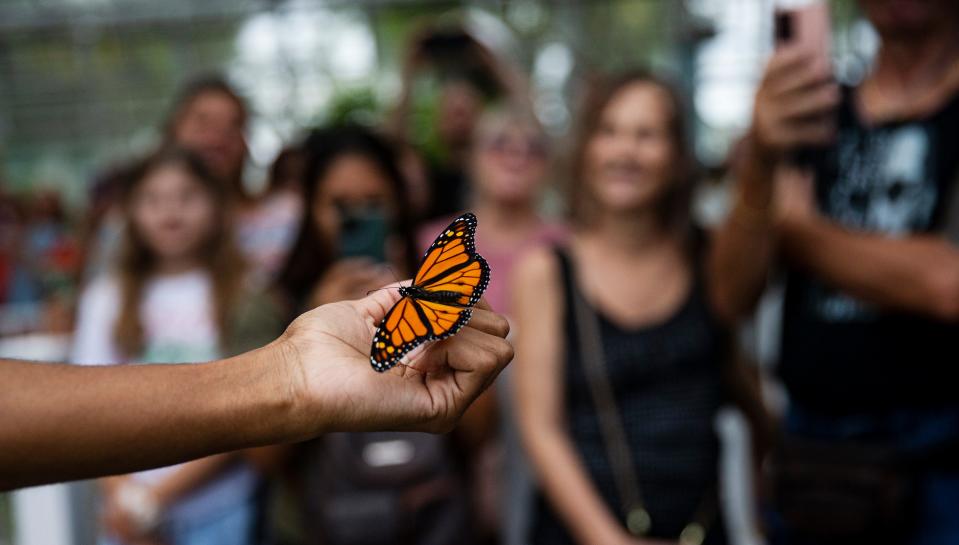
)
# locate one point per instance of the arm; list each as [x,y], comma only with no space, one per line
[191,475]
[793,108]
[514,83]
[538,393]
[916,274]
[414,60]
[67,422]
[131,526]
[743,249]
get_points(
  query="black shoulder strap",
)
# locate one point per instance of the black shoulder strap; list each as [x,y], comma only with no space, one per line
[950,224]
[565,271]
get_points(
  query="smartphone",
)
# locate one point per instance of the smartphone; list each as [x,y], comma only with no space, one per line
[447,44]
[806,27]
[363,232]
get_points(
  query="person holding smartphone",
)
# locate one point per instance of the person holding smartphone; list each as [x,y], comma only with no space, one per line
[355,237]
[356,226]
[849,190]
[469,75]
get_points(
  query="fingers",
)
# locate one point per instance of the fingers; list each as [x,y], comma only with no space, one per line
[486,331]
[378,302]
[811,102]
[800,72]
[785,60]
[810,132]
[489,322]
[796,102]
[477,358]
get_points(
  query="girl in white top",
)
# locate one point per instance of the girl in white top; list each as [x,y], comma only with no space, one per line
[175,296]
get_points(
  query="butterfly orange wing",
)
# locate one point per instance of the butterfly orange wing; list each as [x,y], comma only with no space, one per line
[451,266]
[402,329]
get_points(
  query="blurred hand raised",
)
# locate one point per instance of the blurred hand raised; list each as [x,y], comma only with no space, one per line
[794,103]
[349,278]
[335,388]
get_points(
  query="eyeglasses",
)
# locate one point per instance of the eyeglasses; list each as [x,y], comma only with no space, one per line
[535,148]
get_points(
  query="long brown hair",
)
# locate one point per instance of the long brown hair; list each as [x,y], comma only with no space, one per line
[674,212]
[189,93]
[137,262]
[310,256]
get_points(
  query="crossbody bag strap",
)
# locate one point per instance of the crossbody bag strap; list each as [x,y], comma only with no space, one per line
[611,426]
[951,218]
[593,357]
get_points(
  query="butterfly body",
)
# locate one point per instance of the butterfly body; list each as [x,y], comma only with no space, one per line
[446,297]
[451,278]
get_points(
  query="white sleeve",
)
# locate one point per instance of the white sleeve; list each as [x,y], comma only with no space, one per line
[96,315]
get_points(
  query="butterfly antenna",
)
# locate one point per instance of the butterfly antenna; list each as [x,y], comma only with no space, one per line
[379,289]
[389,268]
[394,277]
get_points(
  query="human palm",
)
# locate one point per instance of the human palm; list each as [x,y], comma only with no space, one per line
[334,379]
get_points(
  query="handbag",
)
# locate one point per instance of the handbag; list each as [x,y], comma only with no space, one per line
[638,521]
[842,492]
[384,487]
[836,492]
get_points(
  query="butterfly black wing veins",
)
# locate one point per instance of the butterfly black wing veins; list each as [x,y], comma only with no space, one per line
[463,229]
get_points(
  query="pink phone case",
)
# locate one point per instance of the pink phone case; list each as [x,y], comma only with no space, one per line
[811,30]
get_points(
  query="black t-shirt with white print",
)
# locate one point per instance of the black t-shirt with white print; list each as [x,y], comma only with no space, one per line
[840,354]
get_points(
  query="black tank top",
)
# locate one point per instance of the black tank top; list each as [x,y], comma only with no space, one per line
[668,386]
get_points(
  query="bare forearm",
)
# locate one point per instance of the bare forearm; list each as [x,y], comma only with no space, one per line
[564,480]
[744,246]
[64,422]
[191,475]
[915,274]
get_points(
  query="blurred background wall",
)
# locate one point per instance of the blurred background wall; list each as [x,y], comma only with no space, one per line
[85,82]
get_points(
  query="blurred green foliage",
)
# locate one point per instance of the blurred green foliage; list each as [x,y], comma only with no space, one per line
[86,84]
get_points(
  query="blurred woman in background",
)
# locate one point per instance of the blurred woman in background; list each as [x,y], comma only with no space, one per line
[507,168]
[619,350]
[356,236]
[356,222]
[177,295]
[208,117]
[468,74]
[508,164]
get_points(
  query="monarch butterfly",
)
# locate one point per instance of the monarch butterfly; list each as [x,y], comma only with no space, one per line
[451,278]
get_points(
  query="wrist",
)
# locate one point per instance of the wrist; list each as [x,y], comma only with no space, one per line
[797,231]
[303,418]
[274,376]
[140,504]
[755,171]
[162,496]
[759,155]
[750,216]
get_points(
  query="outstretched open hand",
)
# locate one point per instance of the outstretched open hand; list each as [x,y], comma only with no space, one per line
[337,388]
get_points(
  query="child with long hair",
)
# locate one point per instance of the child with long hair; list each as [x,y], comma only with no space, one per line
[177,294]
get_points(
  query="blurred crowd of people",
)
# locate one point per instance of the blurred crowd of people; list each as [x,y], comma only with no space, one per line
[626,311]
